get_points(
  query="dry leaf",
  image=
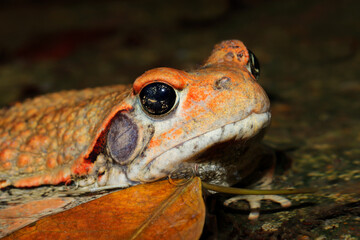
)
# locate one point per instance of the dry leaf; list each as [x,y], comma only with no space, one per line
[157,210]
[18,216]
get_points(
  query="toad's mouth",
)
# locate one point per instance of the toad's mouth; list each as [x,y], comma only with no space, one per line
[168,161]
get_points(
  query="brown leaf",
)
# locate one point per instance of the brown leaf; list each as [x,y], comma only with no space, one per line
[18,216]
[157,210]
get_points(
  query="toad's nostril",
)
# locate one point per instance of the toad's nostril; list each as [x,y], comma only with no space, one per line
[222,83]
[229,56]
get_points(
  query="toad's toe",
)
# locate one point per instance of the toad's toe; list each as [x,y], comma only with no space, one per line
[255,202]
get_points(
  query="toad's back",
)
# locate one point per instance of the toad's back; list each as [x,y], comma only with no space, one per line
[54,130]
[124,136]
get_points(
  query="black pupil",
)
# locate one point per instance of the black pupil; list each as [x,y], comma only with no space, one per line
[157,98]
[254,65]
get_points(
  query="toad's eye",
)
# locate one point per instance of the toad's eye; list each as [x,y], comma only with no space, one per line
[253,65]
[158,98]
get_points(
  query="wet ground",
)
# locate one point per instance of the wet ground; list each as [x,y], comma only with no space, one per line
[309,54]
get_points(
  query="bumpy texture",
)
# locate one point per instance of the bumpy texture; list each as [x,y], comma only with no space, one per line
[57,137]
[46,139]
[67,136]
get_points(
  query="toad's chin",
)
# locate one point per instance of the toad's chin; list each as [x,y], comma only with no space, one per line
[168,161]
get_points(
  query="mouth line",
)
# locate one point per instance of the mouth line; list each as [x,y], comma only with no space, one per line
[240,129]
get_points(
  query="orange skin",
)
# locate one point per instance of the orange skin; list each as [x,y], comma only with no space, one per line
[49,139]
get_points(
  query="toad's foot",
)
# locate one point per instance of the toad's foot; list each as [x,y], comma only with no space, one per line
[255,202]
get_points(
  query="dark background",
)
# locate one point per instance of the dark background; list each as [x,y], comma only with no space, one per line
[309,55]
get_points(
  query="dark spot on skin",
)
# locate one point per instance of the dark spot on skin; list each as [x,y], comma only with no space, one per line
[32,224]
[252,125]
[222,83]
[151,129]
[229,56]
[240,55]
[101,173]
[229,44]
[222,132]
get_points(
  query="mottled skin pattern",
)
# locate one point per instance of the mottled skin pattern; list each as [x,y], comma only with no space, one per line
[48,140]
[61,138]
[45,140]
